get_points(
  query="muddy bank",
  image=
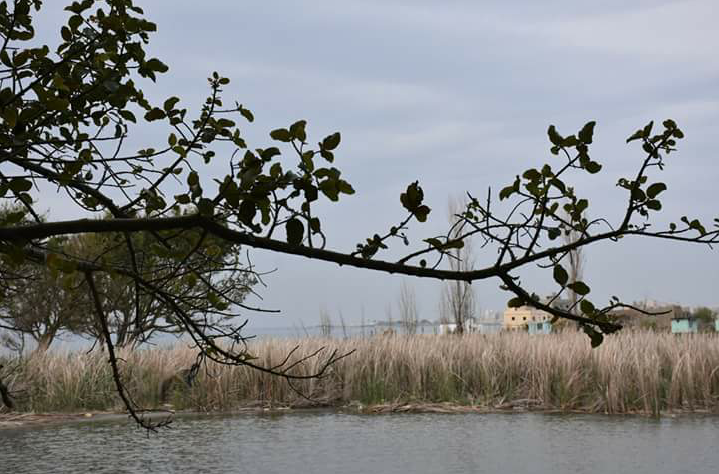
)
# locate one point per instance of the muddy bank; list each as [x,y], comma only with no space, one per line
[17,420]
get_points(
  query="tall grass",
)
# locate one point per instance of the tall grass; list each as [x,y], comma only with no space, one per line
[631,372]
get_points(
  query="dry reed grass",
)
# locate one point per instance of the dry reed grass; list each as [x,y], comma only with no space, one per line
[632,372]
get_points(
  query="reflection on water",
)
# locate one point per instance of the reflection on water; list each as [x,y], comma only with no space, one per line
[338,443]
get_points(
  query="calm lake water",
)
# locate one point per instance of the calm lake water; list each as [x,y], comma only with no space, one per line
[338,443]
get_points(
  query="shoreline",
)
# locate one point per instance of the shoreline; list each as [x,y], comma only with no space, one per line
[13,420]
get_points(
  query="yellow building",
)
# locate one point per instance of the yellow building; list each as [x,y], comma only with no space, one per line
[518,318]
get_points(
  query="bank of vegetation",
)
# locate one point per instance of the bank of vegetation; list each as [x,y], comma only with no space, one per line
[632,372]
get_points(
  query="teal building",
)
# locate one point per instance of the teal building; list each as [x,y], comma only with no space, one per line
[685,325]
[539,327]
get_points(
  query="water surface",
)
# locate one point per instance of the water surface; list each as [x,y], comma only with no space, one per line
[342,443]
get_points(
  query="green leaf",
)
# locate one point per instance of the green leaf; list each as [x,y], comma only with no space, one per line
[170,103]
[191,280]
[57,104]
[636,136]
[579,288]
[206,207]
[515,303]
[345,187]
[593,167]
[695,224]
[570,141]
[329,189]
[509,190]
[450,244]
[10,114]
[421,213]
[281,134]
[182,199]
[20,185]
[327,155]
[559,184]
[654,190]
[225,123]
[268,153]
[595,336]
[434,242]
[647,130]
[307,161]
[412,198]
[193,178]
[155,64]
[554,232]
[74,22]
[586,134]
[581,205]
[531,174]
[276,170]
[453,244]
[638,195]
[155,114]
[65,33]
[14,217]
[331,142]
[295,231]
[230,192]
[506,192]
[560,275]
[554,136]
[297,130]
[587,307]
[127,115]
[247,114]
[310,193]
[654,205]
[247,213]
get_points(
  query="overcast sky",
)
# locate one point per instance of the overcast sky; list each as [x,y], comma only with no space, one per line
[459,96]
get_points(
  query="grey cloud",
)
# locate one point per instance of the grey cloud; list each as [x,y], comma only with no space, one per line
[459,95]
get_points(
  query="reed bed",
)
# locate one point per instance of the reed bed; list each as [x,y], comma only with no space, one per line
[632,372]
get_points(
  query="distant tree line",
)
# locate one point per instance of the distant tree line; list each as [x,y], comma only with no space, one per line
[40,303]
